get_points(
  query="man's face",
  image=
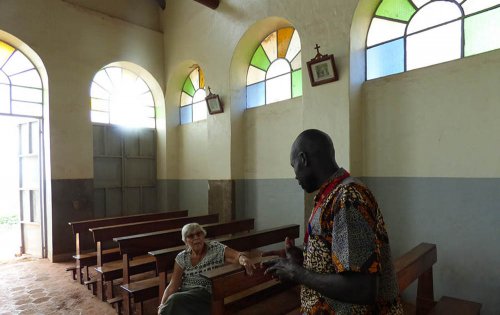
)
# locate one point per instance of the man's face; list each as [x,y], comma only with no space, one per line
[303,173]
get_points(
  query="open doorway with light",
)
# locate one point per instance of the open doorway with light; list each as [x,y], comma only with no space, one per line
[23,94]
[22,227]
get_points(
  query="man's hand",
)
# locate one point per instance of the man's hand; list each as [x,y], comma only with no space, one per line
[293,253]
[284,269]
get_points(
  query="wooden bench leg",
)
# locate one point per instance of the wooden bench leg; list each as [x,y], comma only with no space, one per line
[218,307]
[109,289]
[91,285]
[126,302]
[138,308]
[73,272]
[100,288]
[79,273]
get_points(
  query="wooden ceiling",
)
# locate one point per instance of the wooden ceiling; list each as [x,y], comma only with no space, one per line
[213,4]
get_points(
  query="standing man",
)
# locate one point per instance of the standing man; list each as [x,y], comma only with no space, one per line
[346,265]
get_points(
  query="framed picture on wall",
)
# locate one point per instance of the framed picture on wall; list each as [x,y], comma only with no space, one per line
[214,104]
[322,69]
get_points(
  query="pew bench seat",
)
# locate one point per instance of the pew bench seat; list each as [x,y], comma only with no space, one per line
[114,270]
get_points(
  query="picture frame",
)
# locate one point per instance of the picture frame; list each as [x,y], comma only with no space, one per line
[322,69]
[214,104]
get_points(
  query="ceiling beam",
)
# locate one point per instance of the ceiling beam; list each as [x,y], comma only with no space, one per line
[213,4]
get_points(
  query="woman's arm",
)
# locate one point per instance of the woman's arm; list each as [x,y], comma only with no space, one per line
[174,284]
[235,257]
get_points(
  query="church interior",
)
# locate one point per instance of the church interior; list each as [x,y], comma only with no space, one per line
[410,98]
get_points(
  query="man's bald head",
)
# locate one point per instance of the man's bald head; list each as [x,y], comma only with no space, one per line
[313,158]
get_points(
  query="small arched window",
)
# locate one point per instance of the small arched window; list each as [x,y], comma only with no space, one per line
[193,106]
[275,71]
[121,97]
[411,34]
[21,91]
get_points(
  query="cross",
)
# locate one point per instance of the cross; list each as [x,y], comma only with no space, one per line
[317,48]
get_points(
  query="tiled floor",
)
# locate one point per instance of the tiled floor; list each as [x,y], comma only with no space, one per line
[37,286]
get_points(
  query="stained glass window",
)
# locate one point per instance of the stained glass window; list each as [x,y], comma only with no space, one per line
[275,71]
[20,84]
[411,34]
[193,104]
[121,97]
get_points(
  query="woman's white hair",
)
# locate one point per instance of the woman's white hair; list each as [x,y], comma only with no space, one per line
[192,228]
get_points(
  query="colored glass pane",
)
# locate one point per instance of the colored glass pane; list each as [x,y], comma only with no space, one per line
[29,78]
[99,117]
[5,51]
[478,32]
[186,114]
[420,3]
[96,91]
[260,59]
[17,63]
[199,111]
[255,75]
[186,99]
[3,78]
[297,62]
[278,67]
[396,9]
[199,95]
[188,87]
[278,89]
[270,45]
[294,47]
[115,75]
[103,80]
[434,46]
[4,98]
[119,96]
[284,38]
[297,83]
[202,79]
[256,95]
[145,100]
[472,6]
[194,76]
[434,13]
[147,112]
[26,108]
[99,105]
[385,59]
[26,94]
[382,30]
[141,86]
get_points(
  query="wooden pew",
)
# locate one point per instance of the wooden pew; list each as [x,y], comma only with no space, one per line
[135,249]
[415,265]
[84,260]
[113,268]
[165,258]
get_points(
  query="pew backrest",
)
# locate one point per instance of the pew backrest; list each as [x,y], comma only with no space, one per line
[416,265]
[79,227]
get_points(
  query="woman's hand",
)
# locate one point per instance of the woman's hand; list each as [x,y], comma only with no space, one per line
[246,263]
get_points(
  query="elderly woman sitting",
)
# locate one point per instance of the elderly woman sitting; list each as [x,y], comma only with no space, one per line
[188,292]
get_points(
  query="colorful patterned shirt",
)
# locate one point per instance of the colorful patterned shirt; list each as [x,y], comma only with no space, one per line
[347,233]
[191,277]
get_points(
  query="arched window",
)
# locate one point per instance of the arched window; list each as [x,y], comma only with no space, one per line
[193,104]
[121,97]
[21,90]
[275,71]
[411,34]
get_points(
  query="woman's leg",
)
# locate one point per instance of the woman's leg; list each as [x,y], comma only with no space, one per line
[191,302]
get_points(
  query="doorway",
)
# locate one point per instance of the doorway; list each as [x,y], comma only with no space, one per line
[22,215]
